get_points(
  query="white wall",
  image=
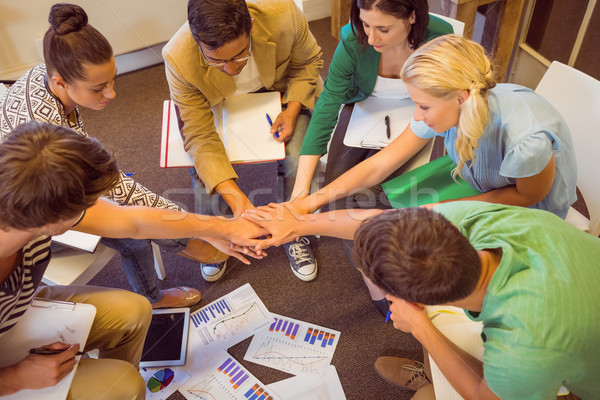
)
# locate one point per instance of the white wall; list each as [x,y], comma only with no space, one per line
[128,25]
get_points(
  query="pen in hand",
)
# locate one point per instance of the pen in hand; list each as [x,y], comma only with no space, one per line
[387,317]
[387,127]
[48,352]
[271,124]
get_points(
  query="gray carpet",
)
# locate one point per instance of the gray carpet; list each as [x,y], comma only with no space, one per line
[337,298]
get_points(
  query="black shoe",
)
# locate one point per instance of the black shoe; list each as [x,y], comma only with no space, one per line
[302,259]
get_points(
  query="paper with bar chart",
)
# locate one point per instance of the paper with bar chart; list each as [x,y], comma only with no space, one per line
[223,378]
[229,320]
[293,346]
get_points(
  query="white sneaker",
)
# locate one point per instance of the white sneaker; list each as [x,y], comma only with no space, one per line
[213,272]
[302,259]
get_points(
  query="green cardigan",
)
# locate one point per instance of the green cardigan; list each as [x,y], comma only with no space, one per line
[351,78]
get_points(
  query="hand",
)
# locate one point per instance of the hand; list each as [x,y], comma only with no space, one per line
[279,219]
[408,317]
[39,371]
[242,232]
[286,122]
[237,251]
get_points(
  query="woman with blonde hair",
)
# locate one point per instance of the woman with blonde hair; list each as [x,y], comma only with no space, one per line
[508,142]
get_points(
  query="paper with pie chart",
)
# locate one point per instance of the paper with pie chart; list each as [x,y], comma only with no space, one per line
[229,320]
[224,378]
[163,382]
[293,346]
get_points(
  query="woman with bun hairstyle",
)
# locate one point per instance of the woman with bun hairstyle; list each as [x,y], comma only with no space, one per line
[381,35]
[507,141]
[79,71]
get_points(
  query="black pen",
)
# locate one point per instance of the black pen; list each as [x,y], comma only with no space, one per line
[387,127]
[48,352]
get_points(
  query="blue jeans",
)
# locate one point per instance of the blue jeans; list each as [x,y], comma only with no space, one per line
[286,173]
[138,262]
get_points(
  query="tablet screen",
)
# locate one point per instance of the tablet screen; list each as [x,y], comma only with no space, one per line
[166,342]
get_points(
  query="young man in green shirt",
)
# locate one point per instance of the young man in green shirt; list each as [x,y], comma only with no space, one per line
[529,276]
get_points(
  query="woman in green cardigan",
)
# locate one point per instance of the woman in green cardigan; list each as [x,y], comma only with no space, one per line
[373,47]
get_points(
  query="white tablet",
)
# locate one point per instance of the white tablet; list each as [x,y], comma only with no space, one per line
[166,342]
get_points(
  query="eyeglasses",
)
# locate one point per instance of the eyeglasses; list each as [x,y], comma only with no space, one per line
[233,60]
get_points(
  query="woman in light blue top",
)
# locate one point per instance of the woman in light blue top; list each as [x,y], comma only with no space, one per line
[507,141]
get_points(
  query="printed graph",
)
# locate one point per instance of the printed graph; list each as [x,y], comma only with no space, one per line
[160,380]
[288,328]
[256,392]
[232,369]
[277,347]
[315,336]
[163,382]
[230,319]
[223,378]
[218,309]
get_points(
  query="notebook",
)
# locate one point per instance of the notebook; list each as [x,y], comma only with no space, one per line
[45,322]
[367,127]
[242,126]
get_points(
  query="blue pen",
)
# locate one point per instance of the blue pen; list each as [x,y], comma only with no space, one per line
[387,317]
[271,124]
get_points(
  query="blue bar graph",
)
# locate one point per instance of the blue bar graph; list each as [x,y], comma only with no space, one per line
[210,312]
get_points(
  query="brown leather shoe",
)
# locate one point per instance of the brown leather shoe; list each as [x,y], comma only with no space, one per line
[181,296]
[401,372]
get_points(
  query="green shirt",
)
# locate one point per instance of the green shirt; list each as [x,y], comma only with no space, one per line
[351,78]
[540,312]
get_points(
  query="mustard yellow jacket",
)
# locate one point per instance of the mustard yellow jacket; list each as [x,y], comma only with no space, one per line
[288,60]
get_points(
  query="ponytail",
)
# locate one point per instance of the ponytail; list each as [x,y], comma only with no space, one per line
[442,68]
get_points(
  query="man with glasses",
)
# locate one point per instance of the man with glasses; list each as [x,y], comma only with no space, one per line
[229,48]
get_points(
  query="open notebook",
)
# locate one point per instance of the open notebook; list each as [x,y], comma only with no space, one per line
[242,126]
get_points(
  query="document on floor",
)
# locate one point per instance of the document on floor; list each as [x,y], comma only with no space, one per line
[229,320]
[308,387]
[163,382]
[293,346]
[224,378]
[47,322]
[368,127]
[242,124]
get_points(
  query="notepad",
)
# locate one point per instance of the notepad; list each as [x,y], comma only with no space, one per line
[367,127]
[241,124]
[46,322]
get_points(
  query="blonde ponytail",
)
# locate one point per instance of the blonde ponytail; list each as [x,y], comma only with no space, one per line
[442,68]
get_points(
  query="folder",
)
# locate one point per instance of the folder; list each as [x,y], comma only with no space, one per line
[429,183]
[242,125]
[45,322]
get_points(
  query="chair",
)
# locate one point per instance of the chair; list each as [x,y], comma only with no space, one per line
[577,97]
[73,266]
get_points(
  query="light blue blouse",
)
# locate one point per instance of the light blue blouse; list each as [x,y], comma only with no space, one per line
[522,133]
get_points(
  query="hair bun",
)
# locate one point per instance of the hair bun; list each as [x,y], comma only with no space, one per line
[65,18]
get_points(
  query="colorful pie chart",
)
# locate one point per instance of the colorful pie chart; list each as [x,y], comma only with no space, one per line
[160,380]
